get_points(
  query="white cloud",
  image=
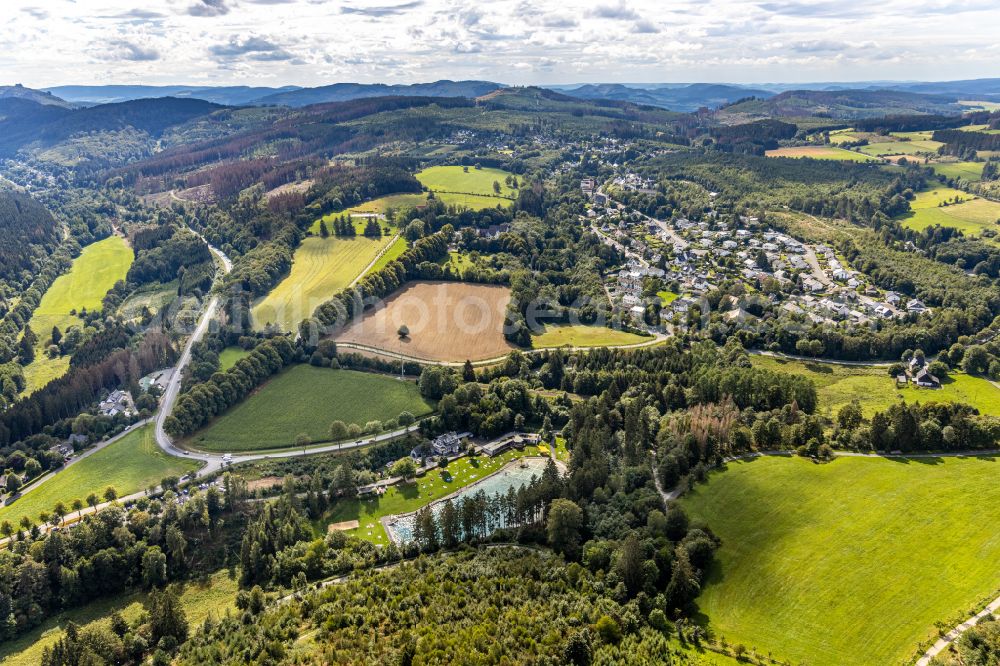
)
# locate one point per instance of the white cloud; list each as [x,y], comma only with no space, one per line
[315,42]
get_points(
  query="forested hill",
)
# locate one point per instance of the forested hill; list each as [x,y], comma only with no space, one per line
[27,230]
[23,123]
[840,104]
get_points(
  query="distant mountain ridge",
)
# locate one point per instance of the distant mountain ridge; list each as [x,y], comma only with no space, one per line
[676,98]
[18,91]
[344,92]
[226,95]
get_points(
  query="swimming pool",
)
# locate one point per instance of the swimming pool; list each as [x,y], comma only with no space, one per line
[514,474]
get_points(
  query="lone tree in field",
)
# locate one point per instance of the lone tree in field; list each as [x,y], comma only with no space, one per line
[496,187]
[403,332]
[324,231]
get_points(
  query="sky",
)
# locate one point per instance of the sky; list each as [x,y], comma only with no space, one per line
[316,42]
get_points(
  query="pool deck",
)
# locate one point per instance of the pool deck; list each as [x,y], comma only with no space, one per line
[388,521]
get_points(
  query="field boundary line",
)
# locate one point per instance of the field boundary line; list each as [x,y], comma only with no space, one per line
[956,632]
[364,271]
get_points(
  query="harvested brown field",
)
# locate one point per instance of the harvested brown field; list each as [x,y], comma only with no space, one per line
[448,321]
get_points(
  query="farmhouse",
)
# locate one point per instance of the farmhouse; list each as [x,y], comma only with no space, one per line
[926,379]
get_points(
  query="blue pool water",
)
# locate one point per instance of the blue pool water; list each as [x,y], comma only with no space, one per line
[514,475]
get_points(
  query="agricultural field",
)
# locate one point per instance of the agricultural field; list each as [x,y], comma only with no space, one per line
[199,600]
[914,147]
[397,248]
[971,214]
[93,273]
[131,464]
[559,335]
[407,497]
[321,268]
[837,385]
[851,562]
[819,153]
[448,321]
[456,180]
[306,399]
[970,171]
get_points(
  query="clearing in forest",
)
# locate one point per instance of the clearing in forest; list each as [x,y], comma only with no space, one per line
[97,269]
[949,207]
[850,562]
[447,321]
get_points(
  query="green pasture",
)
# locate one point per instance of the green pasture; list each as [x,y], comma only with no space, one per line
[850,562]
[306,399]
[200,600]
[837,385]
[97,269]
[132,464]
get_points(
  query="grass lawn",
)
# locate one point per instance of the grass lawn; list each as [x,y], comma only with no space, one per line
[457,261]
[557,335]
[667,297]
[306,399]
[819,153]
[321,268]
[229,356]
[198,601]
[851,562]
[474,181]
[971,215]
[131,464]
[93,273]
[403,498]
[971,171]
[837,385]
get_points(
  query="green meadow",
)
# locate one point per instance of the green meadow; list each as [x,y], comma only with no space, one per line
[970,215]
[850,562]
[837,385]
[131,464]
[559,335]
[306,399]
[97,269]
[458,180]
[971,171]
